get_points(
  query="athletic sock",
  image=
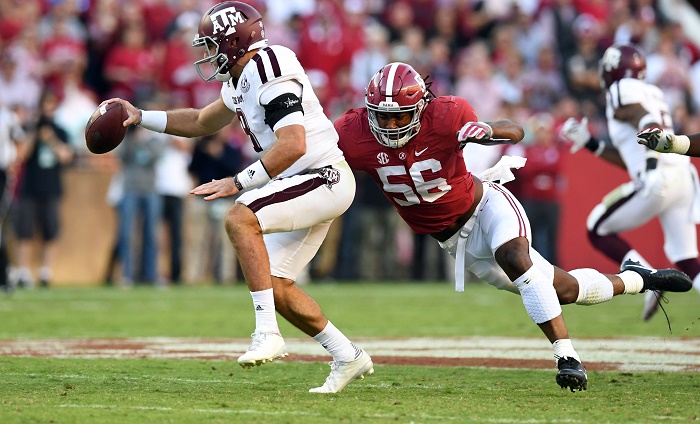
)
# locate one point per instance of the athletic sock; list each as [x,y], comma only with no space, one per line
[264,305]
[562,348]
[339,346]
[634,283]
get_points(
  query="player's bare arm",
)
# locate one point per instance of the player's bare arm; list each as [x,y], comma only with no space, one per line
[577,132]
[199,122]
[180,122]
[290,146]
[504,131]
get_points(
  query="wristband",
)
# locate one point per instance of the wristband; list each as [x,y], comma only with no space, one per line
[595,146]
[680,145]
[154,120]
[252,176]
[238,184]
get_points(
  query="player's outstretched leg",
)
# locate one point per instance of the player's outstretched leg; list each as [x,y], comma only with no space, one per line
[343,373]
[266,347]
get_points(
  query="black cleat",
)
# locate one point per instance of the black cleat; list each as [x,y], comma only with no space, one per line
[670,280]
[571,374]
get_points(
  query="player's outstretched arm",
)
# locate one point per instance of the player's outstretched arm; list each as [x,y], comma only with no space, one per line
[504,131]
[180,122]
[579,136]
[663,141]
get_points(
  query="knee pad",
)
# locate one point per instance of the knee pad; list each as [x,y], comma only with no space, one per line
[538,294]
[593,286]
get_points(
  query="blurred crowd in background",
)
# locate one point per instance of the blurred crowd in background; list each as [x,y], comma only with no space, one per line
[535,62]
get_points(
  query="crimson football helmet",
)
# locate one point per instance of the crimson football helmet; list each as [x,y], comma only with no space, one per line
[228,31]
[621,61]
[397,87]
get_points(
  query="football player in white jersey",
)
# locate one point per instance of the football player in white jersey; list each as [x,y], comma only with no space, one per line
[290,196]
[659,184]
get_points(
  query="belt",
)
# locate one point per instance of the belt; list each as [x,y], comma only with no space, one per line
[320,170]
[453,228]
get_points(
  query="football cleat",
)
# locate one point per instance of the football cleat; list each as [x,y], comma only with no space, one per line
[266,347]
[668,279]
[571,374]
[343,373]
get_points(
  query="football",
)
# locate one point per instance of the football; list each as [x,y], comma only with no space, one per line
[104,131]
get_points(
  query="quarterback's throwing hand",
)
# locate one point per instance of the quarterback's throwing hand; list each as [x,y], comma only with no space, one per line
[216,188]
[576,132]
[474,132]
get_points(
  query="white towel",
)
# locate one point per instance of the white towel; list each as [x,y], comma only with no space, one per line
[501,171]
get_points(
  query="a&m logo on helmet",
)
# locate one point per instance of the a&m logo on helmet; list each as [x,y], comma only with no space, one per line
[611,59]
[226,19]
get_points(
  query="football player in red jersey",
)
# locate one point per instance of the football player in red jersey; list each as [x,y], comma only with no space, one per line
[410,142]
[658,185]
[290,196]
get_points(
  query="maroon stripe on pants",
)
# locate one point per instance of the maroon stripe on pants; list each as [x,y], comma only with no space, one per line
[611,209]
[287,194]
[521,222]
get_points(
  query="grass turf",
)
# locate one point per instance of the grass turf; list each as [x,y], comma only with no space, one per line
[184,391]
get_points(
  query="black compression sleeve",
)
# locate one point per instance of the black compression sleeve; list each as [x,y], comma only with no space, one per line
[280,107]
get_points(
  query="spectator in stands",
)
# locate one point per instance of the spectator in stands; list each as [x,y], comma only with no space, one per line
[541,182]
[139,154]
[210,253]
[40,191]
[173,184]
[129,65]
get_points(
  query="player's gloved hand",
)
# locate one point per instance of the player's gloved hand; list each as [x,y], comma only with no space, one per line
[656,139]
[474,132]
[576,132]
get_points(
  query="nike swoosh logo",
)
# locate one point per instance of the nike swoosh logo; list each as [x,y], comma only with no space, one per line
[418,153]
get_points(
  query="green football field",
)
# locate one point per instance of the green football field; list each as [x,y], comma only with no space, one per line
[94,355]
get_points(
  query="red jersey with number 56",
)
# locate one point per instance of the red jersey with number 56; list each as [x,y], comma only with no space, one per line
[426,179]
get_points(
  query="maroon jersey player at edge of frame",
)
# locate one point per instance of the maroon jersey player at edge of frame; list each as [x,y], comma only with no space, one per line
[405,139]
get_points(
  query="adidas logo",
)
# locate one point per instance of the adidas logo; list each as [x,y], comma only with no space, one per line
[251,172]
[259,308]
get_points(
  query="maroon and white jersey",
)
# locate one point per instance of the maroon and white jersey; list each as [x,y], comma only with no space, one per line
[426,179]
[270,66]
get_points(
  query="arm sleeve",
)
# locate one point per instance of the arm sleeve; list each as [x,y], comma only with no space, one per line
[627,91]
[272,98]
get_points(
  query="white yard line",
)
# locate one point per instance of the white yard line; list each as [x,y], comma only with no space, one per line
[625,354]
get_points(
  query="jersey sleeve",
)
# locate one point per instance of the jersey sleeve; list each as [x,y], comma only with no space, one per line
[344,138]
[627,91]
[450,114]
